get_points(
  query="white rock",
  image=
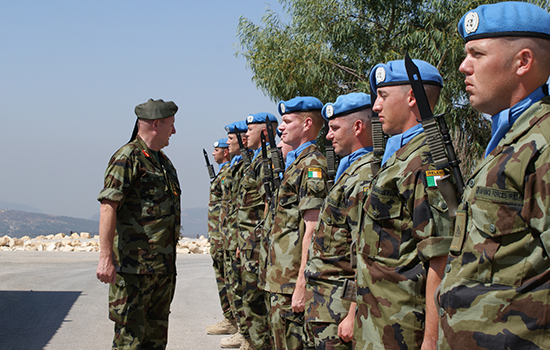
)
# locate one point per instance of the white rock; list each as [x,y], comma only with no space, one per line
[75,235]
[59,236]
[51,247]
[85,235]
[4,240]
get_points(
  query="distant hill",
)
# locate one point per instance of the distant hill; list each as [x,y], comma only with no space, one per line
[21,207]
[17,223]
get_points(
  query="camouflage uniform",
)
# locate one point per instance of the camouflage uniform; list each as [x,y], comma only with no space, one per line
[214,237]
[303,188]
[148,227]
[495,293]
[229,234]
[250,211]
[329,258]
[405,223]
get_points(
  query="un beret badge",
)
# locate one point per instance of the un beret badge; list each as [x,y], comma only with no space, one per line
[216,144]
[227,129]
[250,119]
[471,22]
[330,111]
[283,108]
[380,74]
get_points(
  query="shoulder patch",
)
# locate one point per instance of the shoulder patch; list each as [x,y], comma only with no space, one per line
[315,173]
[432,175]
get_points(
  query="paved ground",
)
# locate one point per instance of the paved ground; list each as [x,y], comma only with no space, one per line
[52,300]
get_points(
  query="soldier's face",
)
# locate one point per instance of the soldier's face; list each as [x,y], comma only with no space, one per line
[219,154]
[165,129]
[233,143]
[292,129]
[253,135]
[393,109]
[341,134]
[489,71]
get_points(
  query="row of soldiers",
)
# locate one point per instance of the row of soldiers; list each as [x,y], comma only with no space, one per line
[393,251]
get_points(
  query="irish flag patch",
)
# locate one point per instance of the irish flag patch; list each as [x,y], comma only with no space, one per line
[314,173]
[432,175]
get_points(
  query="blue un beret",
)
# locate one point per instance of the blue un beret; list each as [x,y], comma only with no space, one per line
[221,143]
[260,118]
[518,19]
[346,104]
[300,104]
[395,73]
[236,127]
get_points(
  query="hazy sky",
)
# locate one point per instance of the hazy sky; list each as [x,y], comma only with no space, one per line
[71,73]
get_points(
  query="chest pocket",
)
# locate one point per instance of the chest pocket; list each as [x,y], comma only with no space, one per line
[382,205]
[251,195]
[153,192]
[498,237]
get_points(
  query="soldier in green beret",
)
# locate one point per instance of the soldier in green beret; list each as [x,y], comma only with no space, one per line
[138,230]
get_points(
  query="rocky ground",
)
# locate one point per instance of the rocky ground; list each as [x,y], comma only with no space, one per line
[84,242]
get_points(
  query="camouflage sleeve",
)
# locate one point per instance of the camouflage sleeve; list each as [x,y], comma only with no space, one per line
[118,178]
[537,199]
[437,243]
[313,189]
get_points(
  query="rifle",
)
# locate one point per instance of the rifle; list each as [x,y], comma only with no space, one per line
[438,139]
[378,139]
[268,172]
[244,151]
[276,156]
[332,159]
[209,166]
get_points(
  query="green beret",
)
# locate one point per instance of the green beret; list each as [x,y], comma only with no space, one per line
[156,109]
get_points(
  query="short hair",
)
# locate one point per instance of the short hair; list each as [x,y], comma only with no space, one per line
[316,118]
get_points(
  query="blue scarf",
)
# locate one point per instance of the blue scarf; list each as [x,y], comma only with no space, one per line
[235,160]
[503,121]
[397,141]
[257,152]
[349,159]
[292,155]
[220,166]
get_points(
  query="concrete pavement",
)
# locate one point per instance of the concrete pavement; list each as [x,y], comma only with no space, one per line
[53,301]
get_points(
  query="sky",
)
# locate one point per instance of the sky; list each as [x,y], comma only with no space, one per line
[71,73]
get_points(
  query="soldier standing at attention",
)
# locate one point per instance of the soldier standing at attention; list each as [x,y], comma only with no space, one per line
[138,231]
[300,196]
[405,231]
[250,211]
[229,231]
[221,156]
[496,290]
[329,319]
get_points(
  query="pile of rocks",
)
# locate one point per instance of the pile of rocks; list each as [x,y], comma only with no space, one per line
[84,242]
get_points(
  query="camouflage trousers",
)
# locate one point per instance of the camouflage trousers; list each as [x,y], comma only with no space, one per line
[325,309]
[139,305]
[287,328]
[254,305]
[218,265]
[234,287]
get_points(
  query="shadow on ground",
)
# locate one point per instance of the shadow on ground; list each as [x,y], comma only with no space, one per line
[29,319]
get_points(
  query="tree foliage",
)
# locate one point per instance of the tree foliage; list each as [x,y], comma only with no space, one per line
[327,47]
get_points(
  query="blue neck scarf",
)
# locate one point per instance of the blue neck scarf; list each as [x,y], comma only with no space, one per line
[220,166]
[397,141]
[349,159]
[292,155]
[257,152]
[503,121]
[235,160]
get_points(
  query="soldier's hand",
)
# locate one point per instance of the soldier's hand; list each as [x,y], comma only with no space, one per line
[299,296]
[345,328]
[106,272]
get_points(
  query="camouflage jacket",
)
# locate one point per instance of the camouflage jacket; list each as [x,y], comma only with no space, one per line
[337,227]
[250,203]
[148,213]
[214,207]
[405,223]
[496,290]
[228,209]
[303,188]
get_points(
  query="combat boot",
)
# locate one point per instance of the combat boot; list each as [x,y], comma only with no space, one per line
[233,342]
[226,326]
[247,344]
